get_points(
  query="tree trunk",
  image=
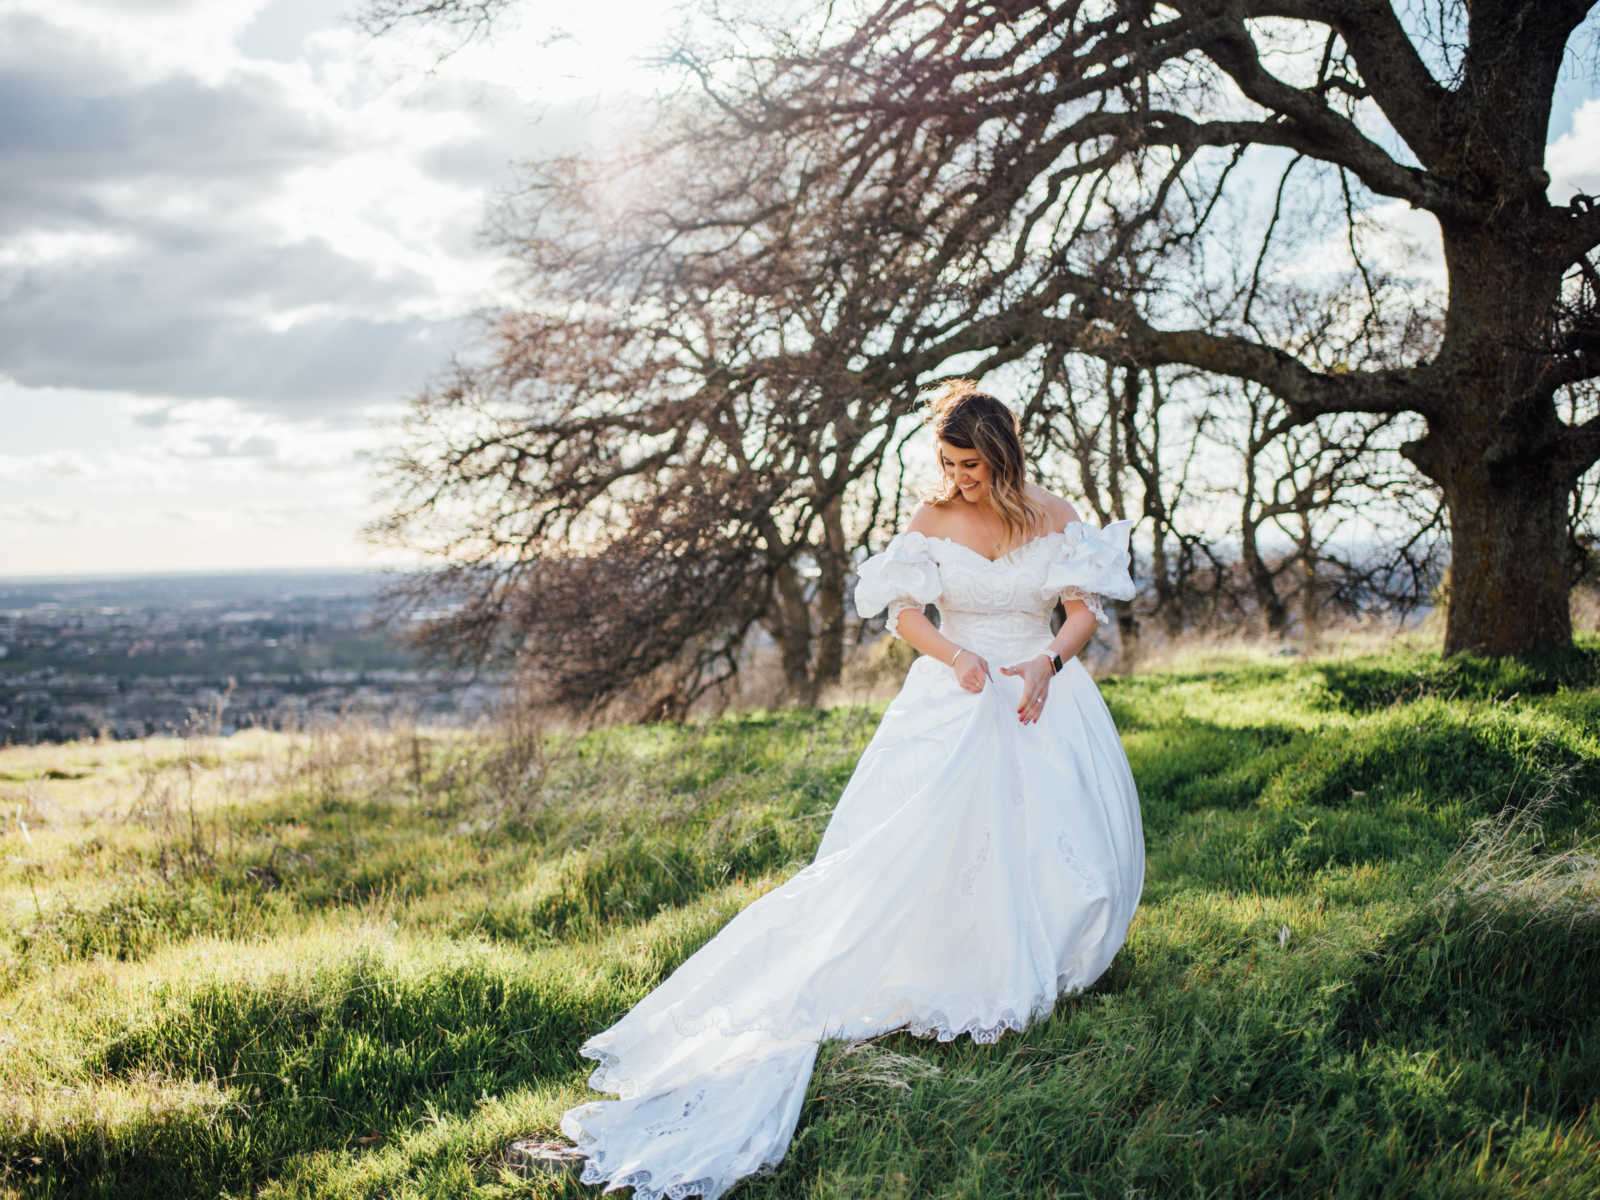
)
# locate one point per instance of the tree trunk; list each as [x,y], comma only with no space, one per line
[1311,581]
[1262,582]
[1127,638]
[1169,597]
[1146,464]
[832,569]
[1509,578]
[1498,454]
[792,629]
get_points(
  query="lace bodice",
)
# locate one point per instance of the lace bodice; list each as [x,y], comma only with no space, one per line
[1004,602]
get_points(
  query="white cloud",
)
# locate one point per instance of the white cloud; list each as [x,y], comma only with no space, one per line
[18,515]
[206,483]
[214,451]
[156,38]
[44,247]
[1404,242]
[57,464]
[296,232]
[1573,159]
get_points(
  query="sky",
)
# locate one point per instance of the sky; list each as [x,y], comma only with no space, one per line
[236,235]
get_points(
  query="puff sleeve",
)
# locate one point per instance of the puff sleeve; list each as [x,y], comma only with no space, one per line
[903,575]
[1091,565]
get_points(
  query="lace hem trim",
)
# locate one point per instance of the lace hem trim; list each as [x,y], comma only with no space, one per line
[608,1077]
[896,607]
[642,1181]
[936,1025]
[639,1181]
[1091,601]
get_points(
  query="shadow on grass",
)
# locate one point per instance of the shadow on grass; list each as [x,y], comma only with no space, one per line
[1375,683]
[637,820]
[1187,764]
[1266,808]
[1442,757]
[1254,807]
[1500,986]
[637,879]
[359,1050]
[1211,1059]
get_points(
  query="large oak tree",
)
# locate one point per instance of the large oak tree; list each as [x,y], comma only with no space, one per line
[863,196]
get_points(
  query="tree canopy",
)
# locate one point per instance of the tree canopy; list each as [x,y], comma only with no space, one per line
[727,326]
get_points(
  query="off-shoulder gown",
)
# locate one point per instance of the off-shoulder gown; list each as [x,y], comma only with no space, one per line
[974,869]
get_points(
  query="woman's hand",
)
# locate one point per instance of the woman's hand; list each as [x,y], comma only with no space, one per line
[1036,674]
[972,670]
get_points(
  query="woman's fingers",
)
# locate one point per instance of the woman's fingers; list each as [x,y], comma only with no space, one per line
[1032,703]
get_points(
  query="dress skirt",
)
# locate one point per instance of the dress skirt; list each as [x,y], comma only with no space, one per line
[974,869]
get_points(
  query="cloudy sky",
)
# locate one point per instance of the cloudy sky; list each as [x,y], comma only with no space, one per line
[235,234]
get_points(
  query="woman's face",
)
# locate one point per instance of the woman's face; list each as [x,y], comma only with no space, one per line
[966,469]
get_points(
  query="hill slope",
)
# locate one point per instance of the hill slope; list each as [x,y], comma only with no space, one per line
[360,963]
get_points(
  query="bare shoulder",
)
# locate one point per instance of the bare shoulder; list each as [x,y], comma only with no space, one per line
[1060,512]
[929,519]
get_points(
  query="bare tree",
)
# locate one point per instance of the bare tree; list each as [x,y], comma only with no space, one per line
[1304,485]
[617,499]
[900,187]
[1297,488]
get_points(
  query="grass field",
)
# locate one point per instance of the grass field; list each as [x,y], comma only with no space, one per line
[359,963]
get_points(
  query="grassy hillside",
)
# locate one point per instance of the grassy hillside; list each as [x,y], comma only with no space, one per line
[360,963]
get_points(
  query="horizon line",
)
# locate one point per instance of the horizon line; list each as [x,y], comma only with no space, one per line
[194,572]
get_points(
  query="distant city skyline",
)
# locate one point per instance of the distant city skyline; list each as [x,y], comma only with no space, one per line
[236,235]
[136,657]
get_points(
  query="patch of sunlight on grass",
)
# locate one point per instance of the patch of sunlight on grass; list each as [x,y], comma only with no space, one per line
[106,1110]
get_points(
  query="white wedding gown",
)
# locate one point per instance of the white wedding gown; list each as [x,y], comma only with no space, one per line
[974,869]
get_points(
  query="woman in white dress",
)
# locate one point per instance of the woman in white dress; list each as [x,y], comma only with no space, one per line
[985,857]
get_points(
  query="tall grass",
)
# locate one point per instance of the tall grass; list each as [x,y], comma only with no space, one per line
[359,962]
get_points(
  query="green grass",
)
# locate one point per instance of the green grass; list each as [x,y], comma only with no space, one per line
[360,963]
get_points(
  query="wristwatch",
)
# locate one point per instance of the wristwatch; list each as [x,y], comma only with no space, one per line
[1056,664]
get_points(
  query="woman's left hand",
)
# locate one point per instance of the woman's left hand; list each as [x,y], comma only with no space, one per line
[1036,674]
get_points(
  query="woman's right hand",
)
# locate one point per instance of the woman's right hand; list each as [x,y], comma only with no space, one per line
[972,671]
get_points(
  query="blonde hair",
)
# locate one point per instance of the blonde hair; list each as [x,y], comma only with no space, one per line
[968,419]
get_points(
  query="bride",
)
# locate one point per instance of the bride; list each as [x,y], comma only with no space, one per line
[985,857]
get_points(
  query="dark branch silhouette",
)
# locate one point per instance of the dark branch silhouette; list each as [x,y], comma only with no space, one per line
[835,213]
